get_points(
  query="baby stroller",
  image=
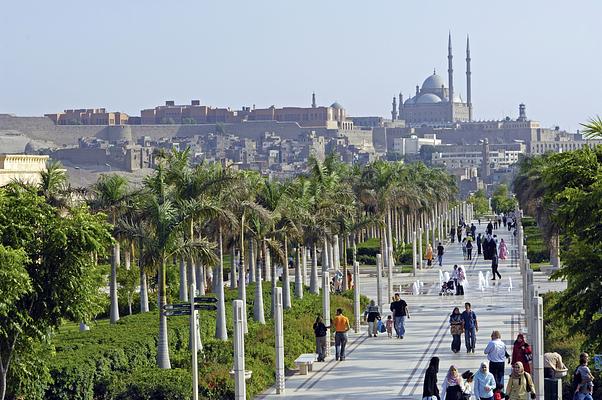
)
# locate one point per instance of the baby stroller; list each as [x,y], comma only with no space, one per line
[447,289]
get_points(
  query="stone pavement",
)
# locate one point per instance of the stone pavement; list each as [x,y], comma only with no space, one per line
[386,368]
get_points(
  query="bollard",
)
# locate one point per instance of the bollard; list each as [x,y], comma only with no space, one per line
[509,284]
[538,348]
[279,341]
[356,296]
[240,388]
[379,273]
[326,307]
[195,345]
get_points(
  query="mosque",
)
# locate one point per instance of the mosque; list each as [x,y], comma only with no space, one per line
[434,104]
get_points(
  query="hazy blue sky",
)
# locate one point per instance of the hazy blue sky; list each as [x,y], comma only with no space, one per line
[130,55]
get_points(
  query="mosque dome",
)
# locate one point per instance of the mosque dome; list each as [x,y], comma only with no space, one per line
[410,100]
[336,106]
[31,148]
[428,98]
[433,82]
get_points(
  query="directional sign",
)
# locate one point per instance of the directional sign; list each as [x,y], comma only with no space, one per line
[180,306]
[174,313]
[205,299]
[209,307]
[185,308]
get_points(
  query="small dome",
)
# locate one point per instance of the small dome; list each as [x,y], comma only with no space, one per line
[428,98]
[31,148]
[336,106]
[410,100]
[433,82]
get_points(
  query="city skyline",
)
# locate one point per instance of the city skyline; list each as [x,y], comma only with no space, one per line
[235,54]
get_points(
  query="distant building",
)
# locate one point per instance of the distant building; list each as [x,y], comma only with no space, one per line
[331,117]
[21,167]
[89,116]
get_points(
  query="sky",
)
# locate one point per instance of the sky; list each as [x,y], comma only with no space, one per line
[135,54]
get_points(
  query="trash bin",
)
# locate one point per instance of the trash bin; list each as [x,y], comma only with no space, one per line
[552,389]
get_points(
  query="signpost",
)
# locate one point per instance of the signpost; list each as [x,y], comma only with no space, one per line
[179,309]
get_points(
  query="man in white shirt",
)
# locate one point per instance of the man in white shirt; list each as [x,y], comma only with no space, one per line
[496,354]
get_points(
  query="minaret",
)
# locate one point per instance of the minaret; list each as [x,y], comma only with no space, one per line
[468,80]
[313,100]
[394,109]
[400,105]
[450,77]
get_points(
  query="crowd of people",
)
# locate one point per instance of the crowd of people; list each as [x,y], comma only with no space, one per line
[489,381]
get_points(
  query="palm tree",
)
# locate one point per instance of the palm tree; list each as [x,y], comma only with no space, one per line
[162,234]
[110,195]
[593,128]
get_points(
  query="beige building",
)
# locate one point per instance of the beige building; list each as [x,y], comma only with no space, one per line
[89,116]
[20,167]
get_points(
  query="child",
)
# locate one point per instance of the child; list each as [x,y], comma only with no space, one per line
[389,326]
[498,393]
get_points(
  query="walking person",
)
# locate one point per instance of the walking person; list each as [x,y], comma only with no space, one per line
[469,249]
[471,327]
[341,325]
[429,254]
[455,327]
[494,267]
[389,326]
[440,251]
[484,383]
[496,354]
[454,277]
[473,230]
[489,228]
[400,311]
[479,242]
[452,385]
[464,249]
[503,250]
[584,378]
[519,384]
[320,332]
[461,281]
[372,316]
[430,390]
[452,233]
[521,351]
[459,233]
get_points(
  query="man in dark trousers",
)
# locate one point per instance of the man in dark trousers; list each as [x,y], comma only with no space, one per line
[479,239]
[400,311]
[490,228]
[471,327]
[440,250]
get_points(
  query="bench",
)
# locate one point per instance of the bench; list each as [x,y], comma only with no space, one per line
[304,362]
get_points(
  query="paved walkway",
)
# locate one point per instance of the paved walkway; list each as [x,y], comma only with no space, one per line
[384,368]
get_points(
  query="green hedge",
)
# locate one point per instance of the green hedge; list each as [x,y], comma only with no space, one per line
[118,362]
[367,251]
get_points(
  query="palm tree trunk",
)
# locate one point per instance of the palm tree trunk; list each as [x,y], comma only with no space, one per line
[162,344]
[114,311]
[298,279]
[233,281]
[304,255]
[314,286]
[127,256]
[143,292]
[183,280]
[251,261]
[286,287]
[220,322]
[258,313]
